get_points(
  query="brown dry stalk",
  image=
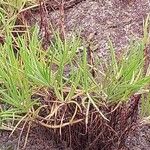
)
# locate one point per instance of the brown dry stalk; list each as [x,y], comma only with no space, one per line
[91,57]
[44,26]
[60,125]
[62,20]
[2,39]
[147,58]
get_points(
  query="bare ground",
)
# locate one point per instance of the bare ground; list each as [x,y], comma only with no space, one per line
[119,19]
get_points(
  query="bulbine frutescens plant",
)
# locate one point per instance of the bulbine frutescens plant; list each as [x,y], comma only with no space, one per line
[15,87]
[55,87]
[29,68]
[25,71]
[11,15]
[125,77]
[13,6]
[48,69]
[126,74]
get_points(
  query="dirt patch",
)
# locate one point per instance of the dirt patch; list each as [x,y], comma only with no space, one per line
[120,20]
[39,138]
[139,137]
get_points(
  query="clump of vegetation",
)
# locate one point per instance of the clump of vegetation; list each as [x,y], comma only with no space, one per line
[56,88]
